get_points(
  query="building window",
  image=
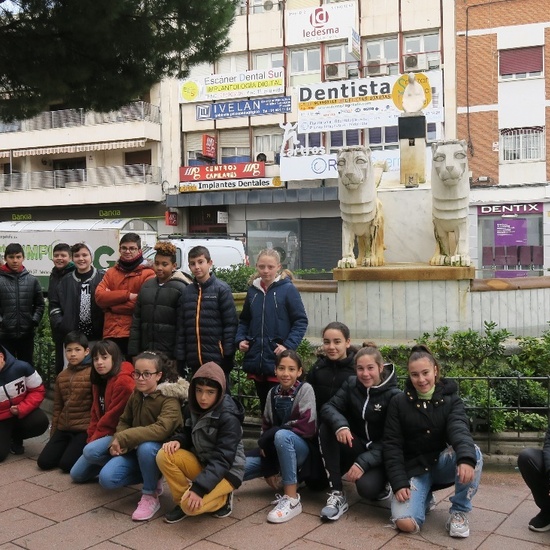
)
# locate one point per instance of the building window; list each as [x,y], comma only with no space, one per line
[343,138]
[522,144]
[231,155]
[520,63]
[421,52]
[385,137]
[263,6]
[310,140]
[268,60]
[235,63]
[382,55]
[269,144]
[307,60]
[339,63]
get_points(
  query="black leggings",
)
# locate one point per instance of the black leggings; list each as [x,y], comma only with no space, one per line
[17,429]
[63,449]
[339,458]
[533,471]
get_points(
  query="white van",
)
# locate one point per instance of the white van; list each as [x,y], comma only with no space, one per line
[224,251]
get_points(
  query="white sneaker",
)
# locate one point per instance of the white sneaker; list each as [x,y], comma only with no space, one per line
[337,505]
[458,525]
[286,508]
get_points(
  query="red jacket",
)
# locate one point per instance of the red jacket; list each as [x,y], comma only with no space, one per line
[117,392]
[113,297]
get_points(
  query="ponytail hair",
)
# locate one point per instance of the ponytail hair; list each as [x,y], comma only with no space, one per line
[371,349]
[162,364]
[421,351]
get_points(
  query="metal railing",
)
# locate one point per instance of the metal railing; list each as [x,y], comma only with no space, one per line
[87,177]
[67,118]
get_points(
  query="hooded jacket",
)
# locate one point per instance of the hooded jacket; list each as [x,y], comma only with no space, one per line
[214,436]
[272,317]
[55,278]
[21,304]
[73,398]
[152,417]
[117,391]
[363,410]
[20,385]
[418,430]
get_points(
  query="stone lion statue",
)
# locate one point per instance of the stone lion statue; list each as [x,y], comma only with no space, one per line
[450,199]
[360,209]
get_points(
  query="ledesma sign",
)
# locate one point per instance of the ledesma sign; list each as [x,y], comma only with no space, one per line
[300,162]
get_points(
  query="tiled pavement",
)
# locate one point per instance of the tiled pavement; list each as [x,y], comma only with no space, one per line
[45,510]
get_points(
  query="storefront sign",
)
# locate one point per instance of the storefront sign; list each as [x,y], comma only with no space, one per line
[209,146]
[499,209]
[171,218]
[230,185]
[361,103]
[223,171]
[312,167]
[509,232]
[227,86]
[327,22]
[252,107]
[354,44]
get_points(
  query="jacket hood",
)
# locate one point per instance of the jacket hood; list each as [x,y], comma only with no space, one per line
[279,280]
[444,386]
[8,358]
[178,389]
[74,274]
[183,277]
[213,372]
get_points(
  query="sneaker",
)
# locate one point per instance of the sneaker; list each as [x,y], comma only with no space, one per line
[385,494]
[337,505]
[16,447]
[227,509]
[431,504]
[286,508]
[160,487]
[541,522]
[174,515]
[147,507]
[458,525]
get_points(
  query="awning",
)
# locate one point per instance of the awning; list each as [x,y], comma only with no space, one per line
[84,147]
[4,154]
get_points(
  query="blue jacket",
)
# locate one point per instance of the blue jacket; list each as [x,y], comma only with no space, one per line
[268,319]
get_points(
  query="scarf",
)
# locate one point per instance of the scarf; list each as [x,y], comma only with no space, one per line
[129,266]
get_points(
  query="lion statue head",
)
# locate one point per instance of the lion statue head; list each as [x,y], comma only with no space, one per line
[354,164]
[449,161]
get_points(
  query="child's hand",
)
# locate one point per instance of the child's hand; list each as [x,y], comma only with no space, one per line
[465,473]
[403,494]
[170,447]
[344,436]
[194,501]
[14,410]
[244,346]
[115,448]
[274,482]
[353,474]
[279,349]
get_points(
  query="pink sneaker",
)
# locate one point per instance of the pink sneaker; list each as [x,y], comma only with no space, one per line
[147,507]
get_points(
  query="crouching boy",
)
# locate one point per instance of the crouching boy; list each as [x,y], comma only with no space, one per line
[203,463]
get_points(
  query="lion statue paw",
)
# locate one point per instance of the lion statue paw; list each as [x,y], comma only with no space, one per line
[372,261]
[347,262]
[461,261]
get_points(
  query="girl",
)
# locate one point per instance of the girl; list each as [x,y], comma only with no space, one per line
[351,431]
[336,365]
[151,416]
[155,324]
[112,384]
[428,445]
[289,423]
[273,319]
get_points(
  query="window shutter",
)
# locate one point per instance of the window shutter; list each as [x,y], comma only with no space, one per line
[521,60]
[194,142]
[235,138]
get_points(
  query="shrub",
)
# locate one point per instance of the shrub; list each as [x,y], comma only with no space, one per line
[236,276]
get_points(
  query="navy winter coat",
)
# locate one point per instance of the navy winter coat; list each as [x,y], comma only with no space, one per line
[268,319]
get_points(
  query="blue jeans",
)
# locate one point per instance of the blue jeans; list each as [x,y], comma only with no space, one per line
[292,452]
[137,466]
[94,456]
[443,473]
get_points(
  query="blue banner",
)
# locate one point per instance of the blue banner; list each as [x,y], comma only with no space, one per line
[251,107]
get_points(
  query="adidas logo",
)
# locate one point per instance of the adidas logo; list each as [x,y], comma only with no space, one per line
[377,407]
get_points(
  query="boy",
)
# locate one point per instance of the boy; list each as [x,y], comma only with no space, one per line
[118,291]
[21,393]
[21,304]
[72,303]
[209,316]
[62,265]
[71,407]
[203,463]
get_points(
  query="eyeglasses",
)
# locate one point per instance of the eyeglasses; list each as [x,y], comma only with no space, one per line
[136,375]
[129,248]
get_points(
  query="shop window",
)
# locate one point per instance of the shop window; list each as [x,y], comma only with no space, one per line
[382,56]
[522,144]
[281,235]
[519,63]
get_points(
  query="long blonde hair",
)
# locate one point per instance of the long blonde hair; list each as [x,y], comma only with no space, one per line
[271,253]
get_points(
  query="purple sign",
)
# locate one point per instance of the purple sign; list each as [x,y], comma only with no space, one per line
[510,231]
[510,274]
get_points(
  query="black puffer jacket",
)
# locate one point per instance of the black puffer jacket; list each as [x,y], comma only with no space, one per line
[363,410]
[21,304]
[327,376]
[209,323]
[418,430]
[156,323]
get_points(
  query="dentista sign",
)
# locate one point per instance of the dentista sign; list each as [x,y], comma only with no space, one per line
[527,208]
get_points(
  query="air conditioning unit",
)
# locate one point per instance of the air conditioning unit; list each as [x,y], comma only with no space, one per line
[335,71]
[353,71]
[376,67]
[270,157]
[415,62]
[269,5]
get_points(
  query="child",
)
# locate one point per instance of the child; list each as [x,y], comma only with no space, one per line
[156,323]
[203,463]
[352,425]
[21,392]
[289,423]
[21,304]
[209,316]
[72,303]
[151,416]
[112,384]
[273,319]
[71,407]
[428,445]
[534,466]
[62,265]
[332,369]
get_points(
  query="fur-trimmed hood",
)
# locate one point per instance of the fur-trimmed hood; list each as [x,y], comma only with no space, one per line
[178,389]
